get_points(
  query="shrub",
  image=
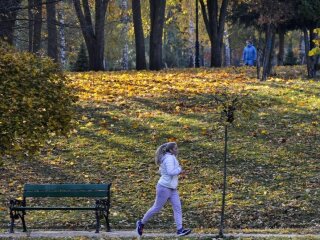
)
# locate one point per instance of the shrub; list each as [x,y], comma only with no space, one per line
[82,63]
[35,102]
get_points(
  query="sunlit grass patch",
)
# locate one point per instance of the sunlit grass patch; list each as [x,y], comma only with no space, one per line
[273,166]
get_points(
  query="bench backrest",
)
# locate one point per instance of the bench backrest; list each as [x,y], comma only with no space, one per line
[67,190]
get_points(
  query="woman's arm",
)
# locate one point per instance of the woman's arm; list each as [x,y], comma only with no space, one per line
[172,166]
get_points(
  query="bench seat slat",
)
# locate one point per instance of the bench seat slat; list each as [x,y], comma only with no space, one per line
[49,187]
[66,190]
[93,194]
[54,208]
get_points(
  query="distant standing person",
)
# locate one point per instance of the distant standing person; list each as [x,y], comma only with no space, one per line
[249,55]
[166,188]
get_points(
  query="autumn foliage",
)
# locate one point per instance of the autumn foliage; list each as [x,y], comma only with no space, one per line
[35,102]
[273,162]
[316,49]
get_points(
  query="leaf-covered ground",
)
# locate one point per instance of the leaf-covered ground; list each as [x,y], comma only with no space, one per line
[273,165]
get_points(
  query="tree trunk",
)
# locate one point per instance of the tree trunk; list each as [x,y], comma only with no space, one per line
[216,52]
[227,49]
[267,58]
[197,45]
[214,21]
[313,59]
[8,15]
[31,23]
[258,63]
[100,10]
[281,48]
[139,36]
[124,34]
[191,32]
[164,52]
[307,49]
[308,40]
[93,35]
[302,49]
[157,14]
[259,55]
[62,38]
[270,65]
[37,26]
[52,30]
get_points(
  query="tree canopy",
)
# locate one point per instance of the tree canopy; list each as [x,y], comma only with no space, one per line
[154,36]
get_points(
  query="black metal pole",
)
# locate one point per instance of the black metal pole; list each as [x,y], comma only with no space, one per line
[197,60]
[224,181]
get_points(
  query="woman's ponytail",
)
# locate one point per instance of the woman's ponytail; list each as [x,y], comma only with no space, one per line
[162,150]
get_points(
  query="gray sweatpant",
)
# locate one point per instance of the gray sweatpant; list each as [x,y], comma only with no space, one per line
[163,195]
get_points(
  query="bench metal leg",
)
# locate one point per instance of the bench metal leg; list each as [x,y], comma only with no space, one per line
[106,216]
[11,222]
[23,223]
[98,221]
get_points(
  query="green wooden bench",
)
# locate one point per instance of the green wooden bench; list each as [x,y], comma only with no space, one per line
[101,193]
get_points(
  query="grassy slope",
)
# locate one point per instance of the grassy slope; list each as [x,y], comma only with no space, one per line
[123,116]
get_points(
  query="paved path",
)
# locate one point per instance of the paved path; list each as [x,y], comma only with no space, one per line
[132,234]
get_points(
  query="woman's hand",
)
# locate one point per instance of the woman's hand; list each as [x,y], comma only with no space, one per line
[184,174]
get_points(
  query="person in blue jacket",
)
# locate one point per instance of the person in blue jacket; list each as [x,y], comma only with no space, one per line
[249,55]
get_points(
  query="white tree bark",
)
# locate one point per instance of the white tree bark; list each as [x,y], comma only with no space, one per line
[302,50]
[191,31]
[62,36]
[124,34]
[227,48]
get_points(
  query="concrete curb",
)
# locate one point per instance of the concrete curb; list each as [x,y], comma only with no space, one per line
[132,234]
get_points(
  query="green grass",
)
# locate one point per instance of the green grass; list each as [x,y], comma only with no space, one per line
[273,165]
